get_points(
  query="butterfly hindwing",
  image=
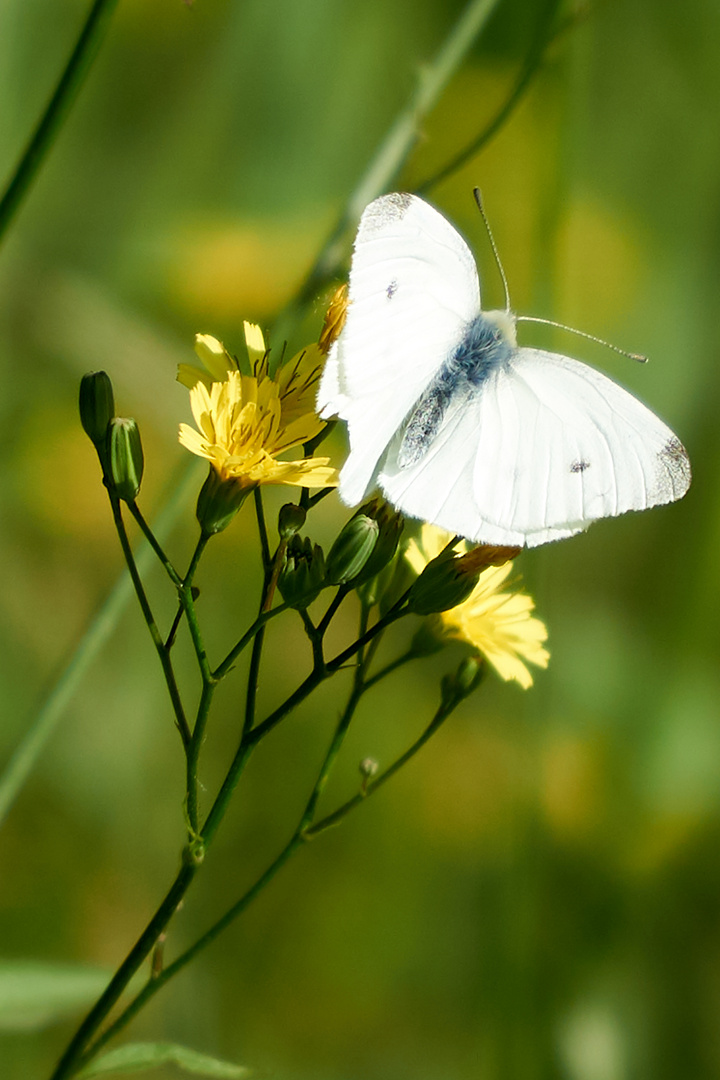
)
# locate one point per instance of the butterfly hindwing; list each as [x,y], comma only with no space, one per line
[546,446]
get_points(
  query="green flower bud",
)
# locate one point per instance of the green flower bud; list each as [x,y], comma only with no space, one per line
[390,526]
[467,678]
[352,549]
[303,572]
[126,458]
[290,520]
[97,407]
[444,583]
[218,502]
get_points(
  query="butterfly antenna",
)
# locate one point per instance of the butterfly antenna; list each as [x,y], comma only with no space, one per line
[581,333]
[493,245]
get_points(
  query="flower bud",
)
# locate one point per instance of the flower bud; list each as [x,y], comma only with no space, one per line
[469,675]
[303,572]
[290,520]
[444,583]
[352,549]
[126,458]
[97,407]
[368,768]
[390,526]
[219,500]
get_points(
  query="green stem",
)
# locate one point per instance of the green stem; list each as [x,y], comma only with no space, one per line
[290,848]
[337,815]
[77,67]
[188,602]
[272,569]
[97,633]
[262,528]
[70,1060]
[222,669]
[163,653]
[154,544]
[541,40]
[193,756]
[396,146]
[303,833]
[196,556]
[392,666]
[333,606]
[152,987]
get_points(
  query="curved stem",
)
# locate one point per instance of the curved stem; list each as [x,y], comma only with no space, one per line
[77,67]
[69,1062]
[337,815]
[396,146]
[304,832]
[543,37]
[193,756]
[163,653]
[151,988]
[154,543]
[296,840]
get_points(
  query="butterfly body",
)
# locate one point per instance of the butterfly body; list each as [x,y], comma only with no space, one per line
[460,426]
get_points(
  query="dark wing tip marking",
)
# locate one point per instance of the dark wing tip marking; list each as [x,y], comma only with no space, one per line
[674,471]
[386,209]
[579,466]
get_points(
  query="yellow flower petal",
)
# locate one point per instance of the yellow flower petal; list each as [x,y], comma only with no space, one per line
[254,341]
[498,625]
[244,421]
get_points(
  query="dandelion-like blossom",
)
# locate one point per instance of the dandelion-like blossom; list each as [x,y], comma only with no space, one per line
[245,421]
[497,624]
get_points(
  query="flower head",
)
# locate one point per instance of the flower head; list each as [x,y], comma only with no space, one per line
[497,624]
[245,421]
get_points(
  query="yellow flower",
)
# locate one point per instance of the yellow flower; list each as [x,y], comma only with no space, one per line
[334,319]
[297,380]
[497,624]
[245,421]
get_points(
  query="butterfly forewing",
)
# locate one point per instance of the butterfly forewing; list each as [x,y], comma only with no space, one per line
[413,287]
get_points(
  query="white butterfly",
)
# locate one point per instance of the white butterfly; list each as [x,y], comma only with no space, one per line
[460,426]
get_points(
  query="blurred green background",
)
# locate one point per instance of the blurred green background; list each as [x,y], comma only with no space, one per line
[538,895]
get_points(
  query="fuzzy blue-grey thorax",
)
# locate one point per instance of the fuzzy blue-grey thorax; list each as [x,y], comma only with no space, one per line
[487,343]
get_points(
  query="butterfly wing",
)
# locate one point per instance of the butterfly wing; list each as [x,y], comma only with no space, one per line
[413,288]
[542,448]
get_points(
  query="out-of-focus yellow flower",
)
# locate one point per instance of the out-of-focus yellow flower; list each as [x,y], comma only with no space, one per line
[499,625]
[334,319]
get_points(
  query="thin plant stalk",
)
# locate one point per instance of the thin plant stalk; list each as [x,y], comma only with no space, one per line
[56,112]
[304,832]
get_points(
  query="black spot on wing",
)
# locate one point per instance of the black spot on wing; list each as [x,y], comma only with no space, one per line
[579,466]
